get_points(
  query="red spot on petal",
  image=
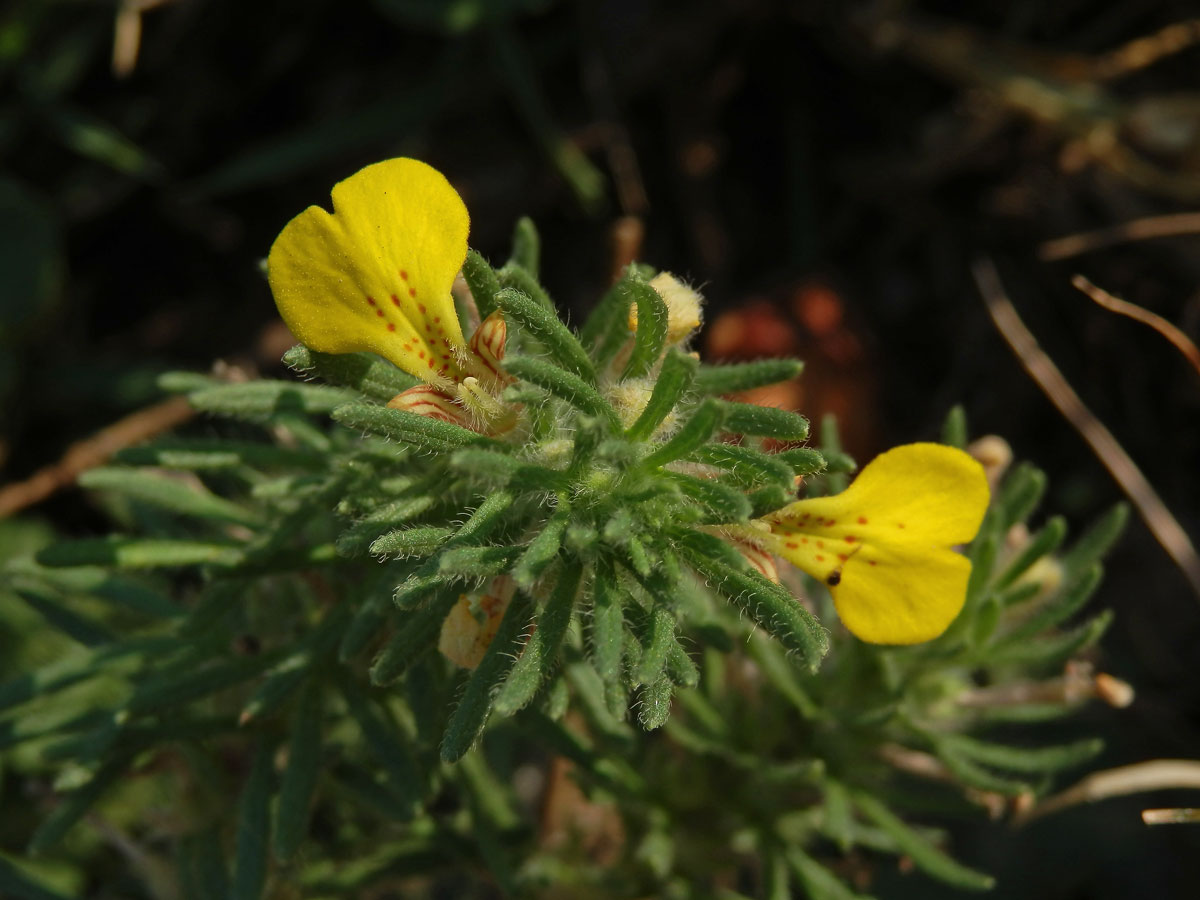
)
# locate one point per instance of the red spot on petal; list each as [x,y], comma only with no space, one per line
[843,557]
[391,326]
[371,300]
[850,539]
[862,520]
[379,312]
[396,301]
[408,347]
[899,524]
[821,544]
[421,355]
[804,540]
[412,292]
[445,356]
[871,561]
[437,319]
[829,523]
[792,546]
[820,558]
[404,275]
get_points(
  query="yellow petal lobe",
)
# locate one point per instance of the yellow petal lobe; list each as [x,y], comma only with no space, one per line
[375,275]
[884,544]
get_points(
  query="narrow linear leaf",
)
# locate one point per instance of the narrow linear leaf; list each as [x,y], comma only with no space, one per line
[695,433]
[548,329]
[922,852]
[1053,650]
[138,553]
[655,705]
[516,278]
[299,781]
[1044,542]
[544,547]
[407,427]
[254,827]
[478,562]
[520,475]
[75,805]
[1096,541]
[1033,760]
[563,384]
[807,461]
[748,467]
[723,504]
[167,492]
[765,421]
[651,335]
[15,885]
[258,401]
[389,746]
[674,379]
[540,655]
[1020,494]
[527,246]
[469,716]
[416,634]
[818,881]
[364,372]
[607,632]
[1066,603]
[734,377]
[770,605]
[656,644]
[482,281]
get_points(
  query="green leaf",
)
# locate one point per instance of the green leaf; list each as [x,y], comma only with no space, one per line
[921,851]
[765,421]
[1059,608]
[748,467]
[370,529]
[138,553]
[652,323]
[478,562]
[73,806]
[15,885]
[607,634]
[564,385]
[1020,495]
[416,635]
[200,454]
[1044,542]
[185,498]
[656,644]
[418,541]
[203,874]
[673,381]
[389,746]
[299,781]
[607,327]
[723,503]
[764,601]
[806,461]
[729,379]
[482,281]
[516,278]
[259,401]
[655,706]
[1033,760]
[513,471]
[819,883]
[695,433]
[1096,541]
[954,429]
[469,716]
[544,547]
[540,655]
[407,427]
[363,372]
[1045,652]
[254,827]
[548,330]
[527,246]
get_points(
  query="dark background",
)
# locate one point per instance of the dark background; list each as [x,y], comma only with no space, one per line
[827,172]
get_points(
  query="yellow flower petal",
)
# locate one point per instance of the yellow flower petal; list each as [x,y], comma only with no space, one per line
[375,274]
[883,544]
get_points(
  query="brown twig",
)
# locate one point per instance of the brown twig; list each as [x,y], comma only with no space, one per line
[1145,51]
[1173,334]
[1070,245]
[93,451]
[1171,816]
[1124,470]
[1153,775]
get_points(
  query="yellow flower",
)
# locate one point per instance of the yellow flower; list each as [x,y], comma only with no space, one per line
[884,545]
[376,274]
